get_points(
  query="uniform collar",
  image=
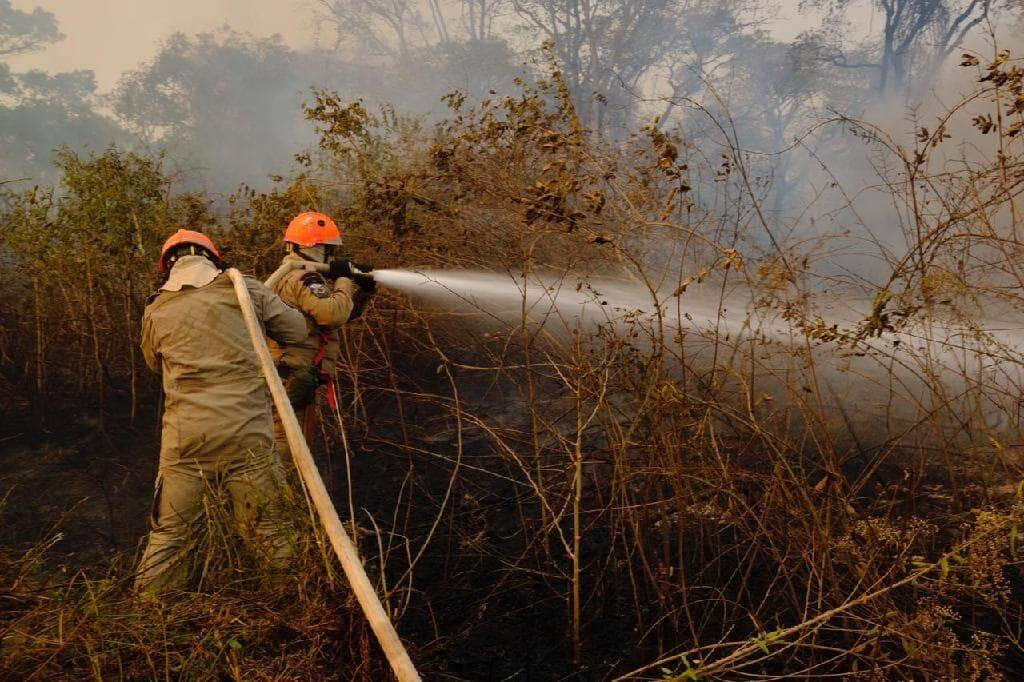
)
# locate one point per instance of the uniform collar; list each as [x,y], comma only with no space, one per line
[191,271]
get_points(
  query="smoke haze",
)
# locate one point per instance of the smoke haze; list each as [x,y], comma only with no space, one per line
[114,36]
[219,86]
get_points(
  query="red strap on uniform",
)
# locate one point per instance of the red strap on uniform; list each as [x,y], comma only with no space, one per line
[332,396]
[325,338]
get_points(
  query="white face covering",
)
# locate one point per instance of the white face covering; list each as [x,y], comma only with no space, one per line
[191,271]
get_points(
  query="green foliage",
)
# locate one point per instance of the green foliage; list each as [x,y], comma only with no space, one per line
[84,253]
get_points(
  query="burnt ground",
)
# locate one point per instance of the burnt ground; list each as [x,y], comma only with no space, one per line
[473,616]
[93,489]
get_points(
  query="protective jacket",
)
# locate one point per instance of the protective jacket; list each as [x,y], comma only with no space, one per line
[326,305]
[216,400]
[217,424]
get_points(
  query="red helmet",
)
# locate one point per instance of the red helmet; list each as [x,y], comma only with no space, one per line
[186,237]
[312,228]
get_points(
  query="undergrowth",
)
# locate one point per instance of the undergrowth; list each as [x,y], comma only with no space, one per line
[238,618]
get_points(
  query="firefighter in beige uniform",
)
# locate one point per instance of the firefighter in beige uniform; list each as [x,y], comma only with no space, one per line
[217,423]
[328,300]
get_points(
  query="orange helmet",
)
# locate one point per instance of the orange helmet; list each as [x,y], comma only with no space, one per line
[186,237]
[312,228]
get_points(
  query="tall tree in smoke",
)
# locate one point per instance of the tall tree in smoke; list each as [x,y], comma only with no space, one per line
[916,38]
[425,49]
[479,16]
[394,29]
[43,110]
[226,101]
[603,47]
[709,39]
[22,32]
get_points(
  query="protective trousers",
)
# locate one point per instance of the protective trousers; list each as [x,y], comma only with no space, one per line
[254,487]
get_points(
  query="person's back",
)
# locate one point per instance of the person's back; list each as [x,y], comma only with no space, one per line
[217,424]
[216,396]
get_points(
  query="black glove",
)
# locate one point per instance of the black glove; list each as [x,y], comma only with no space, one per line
[340,268]
[367,284]
[301,385]
[362,275]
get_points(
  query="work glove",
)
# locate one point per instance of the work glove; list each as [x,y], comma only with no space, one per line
[301,385]
[367,284]
[343,267]
[362,275]
[340,268]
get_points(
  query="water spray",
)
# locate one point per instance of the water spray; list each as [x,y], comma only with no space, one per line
[855,377]
[501,297]
[853,373]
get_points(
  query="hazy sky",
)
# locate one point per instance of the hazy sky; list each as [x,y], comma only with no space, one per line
[112,36]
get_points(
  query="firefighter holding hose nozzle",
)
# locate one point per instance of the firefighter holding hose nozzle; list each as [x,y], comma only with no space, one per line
[330,291]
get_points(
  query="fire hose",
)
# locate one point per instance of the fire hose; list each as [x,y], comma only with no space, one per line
[345,550]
